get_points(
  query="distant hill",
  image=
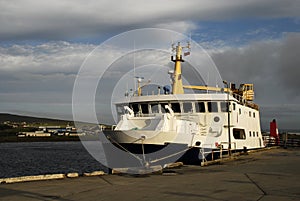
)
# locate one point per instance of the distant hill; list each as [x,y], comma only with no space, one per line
[20,118]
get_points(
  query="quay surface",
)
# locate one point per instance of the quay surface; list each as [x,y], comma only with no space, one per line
[266,175]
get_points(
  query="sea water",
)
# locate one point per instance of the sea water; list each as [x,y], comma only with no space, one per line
[35,158]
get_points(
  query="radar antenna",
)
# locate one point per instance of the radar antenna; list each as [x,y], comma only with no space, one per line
[177,87]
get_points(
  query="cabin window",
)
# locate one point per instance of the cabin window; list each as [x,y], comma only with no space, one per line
[175,107]
[224,106]
[256,134]
[240,111]
[162,106]
[187,107]
[145,109]
[239,134]
[233,106]
[154,108]
[250,133]
[249,113]
[200,107]
[135,108]
[253,114]
[212,106]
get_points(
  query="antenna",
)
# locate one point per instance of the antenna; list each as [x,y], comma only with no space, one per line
[190,42]
[188,47]
[134,76]
[207,81]
[141,84]
[126,92]
[216,84]
[139,79]
[173,48]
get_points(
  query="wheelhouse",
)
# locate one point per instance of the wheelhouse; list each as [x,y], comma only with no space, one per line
[178,107]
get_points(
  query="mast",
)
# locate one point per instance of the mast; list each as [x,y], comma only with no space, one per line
[177,87]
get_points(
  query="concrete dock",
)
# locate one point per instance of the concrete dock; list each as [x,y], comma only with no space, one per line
[266,175]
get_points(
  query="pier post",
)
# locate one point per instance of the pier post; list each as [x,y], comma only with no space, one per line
[285,140]
[228,118]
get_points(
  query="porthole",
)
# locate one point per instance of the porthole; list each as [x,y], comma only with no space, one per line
[216,119]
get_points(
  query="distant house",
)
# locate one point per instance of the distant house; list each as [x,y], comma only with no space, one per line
[34,134]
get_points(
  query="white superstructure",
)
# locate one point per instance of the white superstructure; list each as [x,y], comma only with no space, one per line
[193,119]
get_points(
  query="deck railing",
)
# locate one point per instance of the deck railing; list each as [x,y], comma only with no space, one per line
[283,142]
[243,101]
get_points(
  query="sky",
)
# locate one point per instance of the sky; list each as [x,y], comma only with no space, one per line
[43,44]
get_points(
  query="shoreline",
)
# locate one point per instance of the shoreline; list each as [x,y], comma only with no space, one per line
[15,139]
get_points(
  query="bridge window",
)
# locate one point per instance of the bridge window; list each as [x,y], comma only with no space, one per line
[224,106]
[200,107]
[212,106]
[187,107]
[175,107]
[154,108]
[135,108]
[239,134]
[162,106]
[145,109]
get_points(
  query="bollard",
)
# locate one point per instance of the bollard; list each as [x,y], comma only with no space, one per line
[245,150]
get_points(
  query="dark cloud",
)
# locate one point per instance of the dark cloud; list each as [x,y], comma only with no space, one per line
[65,20]
[287,116]
[273,67]
[289,61]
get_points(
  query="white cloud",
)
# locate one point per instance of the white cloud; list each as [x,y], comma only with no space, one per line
[257,31]
[43,73]
[54,57]
[181,26]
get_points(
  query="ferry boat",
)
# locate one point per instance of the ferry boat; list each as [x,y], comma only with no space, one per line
[177,126]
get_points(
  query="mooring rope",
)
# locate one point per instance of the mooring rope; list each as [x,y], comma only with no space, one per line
[132,154]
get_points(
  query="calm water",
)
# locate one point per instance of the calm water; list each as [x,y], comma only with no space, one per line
[34,158]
